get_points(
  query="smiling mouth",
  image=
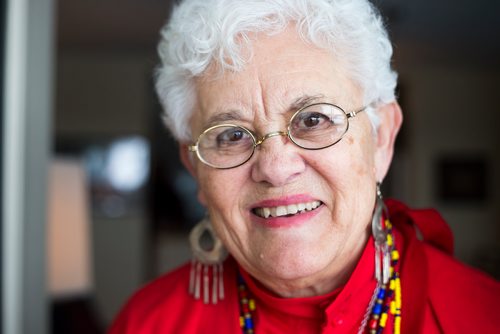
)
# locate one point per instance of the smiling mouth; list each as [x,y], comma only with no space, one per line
[286,210]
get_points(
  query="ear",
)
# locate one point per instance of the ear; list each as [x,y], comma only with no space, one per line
[187,161]
[391,118]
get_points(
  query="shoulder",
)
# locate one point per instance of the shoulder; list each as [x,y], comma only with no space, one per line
[462,298]
[451,280]
[452,296]
[152,300]
[163,290]
[444,268]
[165,306]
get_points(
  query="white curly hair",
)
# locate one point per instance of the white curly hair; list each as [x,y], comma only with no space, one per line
[204,32]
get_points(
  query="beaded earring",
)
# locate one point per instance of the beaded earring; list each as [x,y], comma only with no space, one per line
[386,299]
[208,257]
[382,253]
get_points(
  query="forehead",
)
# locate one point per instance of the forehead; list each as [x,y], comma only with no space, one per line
[282,70]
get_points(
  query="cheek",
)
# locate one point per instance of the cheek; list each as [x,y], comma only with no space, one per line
[209,182]
[215,189]
[363,156]
[208,191]
[352,158]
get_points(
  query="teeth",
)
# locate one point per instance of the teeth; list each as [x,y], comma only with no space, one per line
[281,211]
[291,209]
[266,212]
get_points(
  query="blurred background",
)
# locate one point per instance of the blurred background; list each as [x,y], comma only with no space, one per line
[94,200]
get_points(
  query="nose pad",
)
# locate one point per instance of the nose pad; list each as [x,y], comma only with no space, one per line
[270,135]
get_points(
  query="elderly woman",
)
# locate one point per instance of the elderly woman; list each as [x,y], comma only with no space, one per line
[286,117]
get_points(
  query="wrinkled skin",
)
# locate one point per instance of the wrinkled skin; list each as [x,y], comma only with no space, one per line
[309,254]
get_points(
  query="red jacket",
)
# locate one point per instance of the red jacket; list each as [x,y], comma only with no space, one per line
[440,295]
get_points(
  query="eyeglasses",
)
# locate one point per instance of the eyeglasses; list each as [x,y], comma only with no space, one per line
[313,127]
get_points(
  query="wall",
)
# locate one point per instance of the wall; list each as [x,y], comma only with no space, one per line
[452,109]
[103,95]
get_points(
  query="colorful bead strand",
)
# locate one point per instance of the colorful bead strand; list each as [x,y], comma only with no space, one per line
[247,307]
[388,300]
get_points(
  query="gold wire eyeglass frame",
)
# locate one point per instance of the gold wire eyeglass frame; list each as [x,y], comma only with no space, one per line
[258,141]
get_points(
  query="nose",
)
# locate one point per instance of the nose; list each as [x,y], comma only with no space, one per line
[278,161]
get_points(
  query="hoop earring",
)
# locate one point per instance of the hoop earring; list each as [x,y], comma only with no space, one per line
[379,231]
[208,256]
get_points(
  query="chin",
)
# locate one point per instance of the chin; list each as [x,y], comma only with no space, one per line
[294,265]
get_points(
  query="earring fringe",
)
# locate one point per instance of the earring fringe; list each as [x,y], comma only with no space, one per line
[197,281]
[214,284]
[221,281]
[207,263]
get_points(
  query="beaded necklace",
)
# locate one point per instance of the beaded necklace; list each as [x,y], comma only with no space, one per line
[386,298]
[247,307]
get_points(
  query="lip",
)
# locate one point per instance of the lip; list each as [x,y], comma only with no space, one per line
[285,200]
[280,222]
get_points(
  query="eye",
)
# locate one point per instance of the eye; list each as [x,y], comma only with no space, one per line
[310,120]
[313,120]
[232,136]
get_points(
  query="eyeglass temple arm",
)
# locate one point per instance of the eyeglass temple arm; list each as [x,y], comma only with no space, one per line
[354,113]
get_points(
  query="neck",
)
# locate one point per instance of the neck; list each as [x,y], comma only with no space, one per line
[334,276]
[307,287]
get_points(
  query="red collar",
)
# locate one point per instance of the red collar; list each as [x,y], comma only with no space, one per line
[345,305]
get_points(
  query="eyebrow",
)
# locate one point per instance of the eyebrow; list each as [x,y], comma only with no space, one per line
[304,100]
[224,117]
[237,115]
